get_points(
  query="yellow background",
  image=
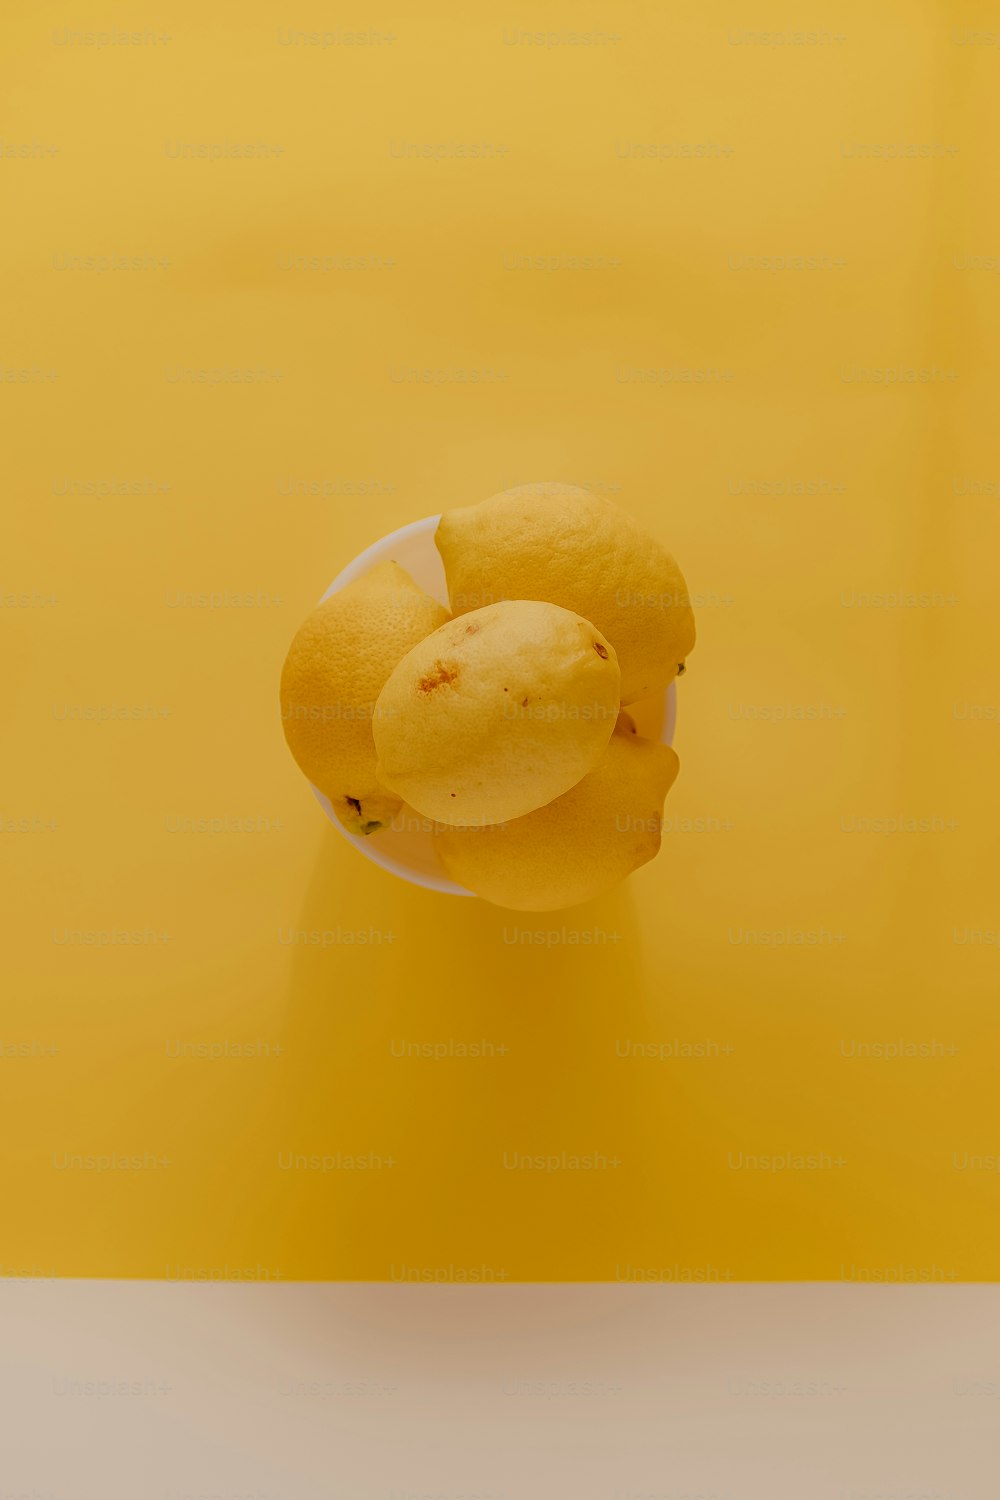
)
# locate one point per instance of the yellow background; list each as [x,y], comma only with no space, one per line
[806,705]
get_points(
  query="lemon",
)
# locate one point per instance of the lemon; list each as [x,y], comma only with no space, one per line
[562,544]
[496,713]
[579,845]
[335,669]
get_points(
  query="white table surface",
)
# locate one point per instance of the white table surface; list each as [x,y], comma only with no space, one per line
[160,1391]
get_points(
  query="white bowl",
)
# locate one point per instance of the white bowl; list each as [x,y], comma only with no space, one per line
[406,847]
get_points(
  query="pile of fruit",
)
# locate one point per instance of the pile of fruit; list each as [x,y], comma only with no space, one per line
[502,722]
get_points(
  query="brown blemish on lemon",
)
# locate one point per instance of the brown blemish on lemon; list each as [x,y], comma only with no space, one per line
[441,676]
[600,651]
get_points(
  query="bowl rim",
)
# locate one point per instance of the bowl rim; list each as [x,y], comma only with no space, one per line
[365,559]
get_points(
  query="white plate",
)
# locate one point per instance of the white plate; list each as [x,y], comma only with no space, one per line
[406,848]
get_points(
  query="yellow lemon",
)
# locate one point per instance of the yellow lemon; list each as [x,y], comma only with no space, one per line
[575,848]
[335,669]
[562,544]
[496,713]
